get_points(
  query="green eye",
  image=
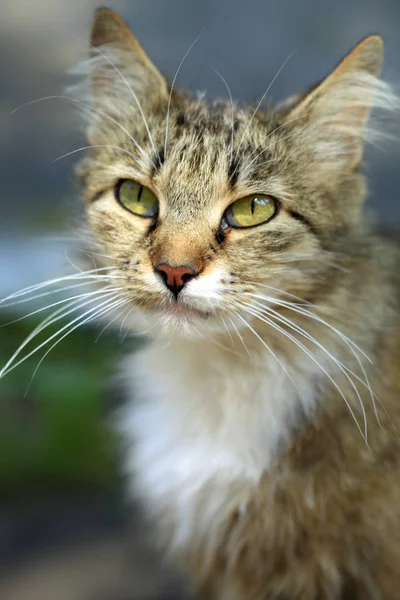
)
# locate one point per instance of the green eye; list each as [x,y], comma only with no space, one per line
[137,198]
[251,210]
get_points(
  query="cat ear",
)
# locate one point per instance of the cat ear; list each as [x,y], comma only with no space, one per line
[335,113]
[119,63]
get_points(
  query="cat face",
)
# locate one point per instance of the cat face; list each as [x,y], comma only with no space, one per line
[205,206]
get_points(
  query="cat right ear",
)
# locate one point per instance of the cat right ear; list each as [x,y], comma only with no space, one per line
[334,114]
[120,70]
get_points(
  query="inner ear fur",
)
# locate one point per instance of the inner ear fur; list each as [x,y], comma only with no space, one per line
[340,105]
[109,31]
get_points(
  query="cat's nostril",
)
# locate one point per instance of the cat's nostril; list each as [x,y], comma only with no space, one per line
[164,276]
[187,277]
[175,278]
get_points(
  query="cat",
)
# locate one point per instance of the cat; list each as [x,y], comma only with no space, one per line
[263,412]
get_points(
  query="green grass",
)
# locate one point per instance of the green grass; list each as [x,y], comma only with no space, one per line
[57,433]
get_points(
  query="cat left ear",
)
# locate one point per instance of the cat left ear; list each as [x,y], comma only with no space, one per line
[335,113]
[118,60]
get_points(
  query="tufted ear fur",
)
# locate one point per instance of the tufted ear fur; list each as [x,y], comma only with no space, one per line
[115,48]
[335,113]
[118,85]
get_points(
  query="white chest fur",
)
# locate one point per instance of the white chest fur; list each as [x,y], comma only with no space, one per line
[205,424]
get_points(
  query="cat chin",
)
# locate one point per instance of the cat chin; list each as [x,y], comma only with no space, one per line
[180,322]
[167,326]
[190,325]
[176,323]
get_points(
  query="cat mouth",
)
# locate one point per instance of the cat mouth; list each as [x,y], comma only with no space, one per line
[184,313]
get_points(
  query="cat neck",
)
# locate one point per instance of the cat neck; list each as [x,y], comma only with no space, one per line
[205,424]
[214,410]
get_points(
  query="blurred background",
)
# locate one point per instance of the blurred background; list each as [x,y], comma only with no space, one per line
[66,531]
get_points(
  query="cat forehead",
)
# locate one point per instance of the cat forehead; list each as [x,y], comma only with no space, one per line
[196,114]
[194,175]
[208,146]
[221,121]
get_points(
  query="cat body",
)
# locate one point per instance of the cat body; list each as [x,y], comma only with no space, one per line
[258,488]
[262,415]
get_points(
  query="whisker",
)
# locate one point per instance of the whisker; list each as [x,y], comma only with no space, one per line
[107,325]
[63,301]
[261,101]
[122,337]
[114,66]
[351,345]
[218,344]
[247,166]
[102,255]
[55,316]
[286,137]
[240,337]
[270,287]
[308,336]
[90,257]
[94,146]
[80,323]
[232,109]
[270,351]
[73,265]
[91,108]
[302,311]
[74,277]
[312,357]
[272,133]
[365,382]
[56,291]
[227,329]
[171,90]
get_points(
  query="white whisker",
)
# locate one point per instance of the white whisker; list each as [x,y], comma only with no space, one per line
[91,108]
[350,345]
[73,265]
[63,301]
[75,277]
[51,282]
[274,143]
[261,101]
[122,337]
[270,351]
[107,325]
[272,324]
[232,110]
[80,323]
[134,96]
[247,166]
[303,311]
[240,337]
[308,336]
[171,90]
[270,287]
[43,294]
[56,316]
[102,255]
[227,330]
[94,146]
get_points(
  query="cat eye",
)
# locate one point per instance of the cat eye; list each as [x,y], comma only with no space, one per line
[251,211]
[137,198]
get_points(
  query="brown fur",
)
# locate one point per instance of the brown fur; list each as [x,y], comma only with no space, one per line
[324,522]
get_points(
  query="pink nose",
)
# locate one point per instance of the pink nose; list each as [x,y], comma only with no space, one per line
[175,278]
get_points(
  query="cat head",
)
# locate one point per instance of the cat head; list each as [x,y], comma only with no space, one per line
[204,205]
